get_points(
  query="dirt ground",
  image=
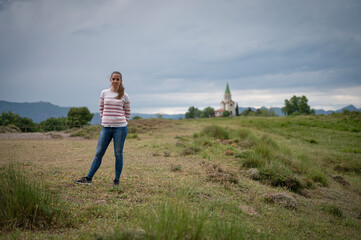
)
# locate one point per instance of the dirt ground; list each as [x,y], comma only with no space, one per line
[33,135]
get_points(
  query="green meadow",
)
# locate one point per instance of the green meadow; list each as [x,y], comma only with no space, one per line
[220,178]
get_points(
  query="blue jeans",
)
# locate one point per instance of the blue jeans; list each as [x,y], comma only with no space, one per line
[107,133]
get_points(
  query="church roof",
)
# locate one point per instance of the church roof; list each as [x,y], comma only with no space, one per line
[227,90]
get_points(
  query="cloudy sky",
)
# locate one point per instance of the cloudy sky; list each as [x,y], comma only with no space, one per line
[176,54]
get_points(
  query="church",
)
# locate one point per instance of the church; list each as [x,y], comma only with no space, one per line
[227,104]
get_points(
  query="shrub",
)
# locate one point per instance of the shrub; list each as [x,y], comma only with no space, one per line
[51,124]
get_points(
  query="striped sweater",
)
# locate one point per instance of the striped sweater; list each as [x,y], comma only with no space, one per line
[114,112]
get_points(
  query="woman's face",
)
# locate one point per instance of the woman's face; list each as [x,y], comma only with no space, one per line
[115,80]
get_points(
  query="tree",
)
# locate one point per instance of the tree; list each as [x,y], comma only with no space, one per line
[78,117]
[297,105]
[193,112]
[237,110]
[24,123]
[248,112]
[51,124]
[207,112]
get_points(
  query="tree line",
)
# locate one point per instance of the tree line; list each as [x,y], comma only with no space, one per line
[76,117]
[293,106]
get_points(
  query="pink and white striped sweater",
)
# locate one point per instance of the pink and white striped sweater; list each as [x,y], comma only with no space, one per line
[114,112]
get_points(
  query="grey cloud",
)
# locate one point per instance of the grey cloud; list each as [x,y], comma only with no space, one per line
[179,47]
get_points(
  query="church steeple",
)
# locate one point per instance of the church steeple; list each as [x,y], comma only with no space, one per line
[227,90]
[227,94]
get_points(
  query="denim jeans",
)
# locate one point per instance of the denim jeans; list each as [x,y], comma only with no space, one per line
[118,134]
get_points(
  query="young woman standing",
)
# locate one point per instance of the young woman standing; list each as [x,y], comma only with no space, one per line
[114,107]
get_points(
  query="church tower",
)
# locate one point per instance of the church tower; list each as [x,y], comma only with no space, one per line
[227,104]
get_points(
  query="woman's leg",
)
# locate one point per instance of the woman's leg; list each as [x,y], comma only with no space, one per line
[105,137]
[119,138]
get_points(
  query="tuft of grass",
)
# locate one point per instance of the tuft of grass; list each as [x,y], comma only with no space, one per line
[190,150]
[133,136]
[176,168]
[278,175]
[174,221]
[317,175]
[27,204]
[216,132]
[332,209]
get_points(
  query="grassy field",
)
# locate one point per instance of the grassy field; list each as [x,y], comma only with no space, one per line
[225,178]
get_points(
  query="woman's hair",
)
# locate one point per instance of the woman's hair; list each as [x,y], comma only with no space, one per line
[121,87]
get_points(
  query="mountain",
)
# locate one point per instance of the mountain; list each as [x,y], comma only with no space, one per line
[40,111]
[97,120]
[37,111]
[349,108]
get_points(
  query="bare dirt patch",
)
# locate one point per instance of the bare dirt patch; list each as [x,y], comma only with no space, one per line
[33,135]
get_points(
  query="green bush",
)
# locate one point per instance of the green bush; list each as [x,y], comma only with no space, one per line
[27,204]
[53,124]
[24,123]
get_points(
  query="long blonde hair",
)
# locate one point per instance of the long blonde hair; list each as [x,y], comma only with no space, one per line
[121,87]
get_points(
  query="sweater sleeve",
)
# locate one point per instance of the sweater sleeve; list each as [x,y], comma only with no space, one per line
[101,104]
[126,107]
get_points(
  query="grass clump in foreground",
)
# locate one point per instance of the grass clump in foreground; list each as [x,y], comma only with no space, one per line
[27,204]
[172,220]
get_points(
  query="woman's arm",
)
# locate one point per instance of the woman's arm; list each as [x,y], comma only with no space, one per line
[101,105]
[127,110]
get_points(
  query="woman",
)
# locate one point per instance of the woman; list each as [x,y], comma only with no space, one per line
[114,106]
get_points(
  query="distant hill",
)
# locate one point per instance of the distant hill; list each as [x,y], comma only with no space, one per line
[37,111]
[40,111]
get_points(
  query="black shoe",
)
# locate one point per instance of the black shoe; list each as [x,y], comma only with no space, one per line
[116,182]
[84,180]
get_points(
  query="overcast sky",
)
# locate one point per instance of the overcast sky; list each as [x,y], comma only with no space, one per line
[177,54]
